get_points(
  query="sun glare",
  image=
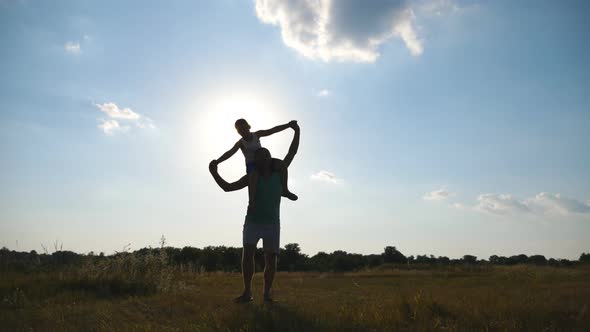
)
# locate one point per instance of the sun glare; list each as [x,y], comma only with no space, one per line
[216,120]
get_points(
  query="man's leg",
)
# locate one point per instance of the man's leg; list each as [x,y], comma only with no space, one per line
[270,267]
[248,268]
[271,240]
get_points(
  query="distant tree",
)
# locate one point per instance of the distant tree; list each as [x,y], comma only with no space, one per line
[320,261]
[189,255]
[291,258]
[210,259]
[423,259]
[537,259]
[521,259]
[443,260]
[222,258]
[469,259]
[392,255]
[230,259]
[65,257]
[517,259]
[502,260]
[374,260]
[259,259]
[342,261]
[494,259]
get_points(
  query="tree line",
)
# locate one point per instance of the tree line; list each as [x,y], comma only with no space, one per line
[222,258]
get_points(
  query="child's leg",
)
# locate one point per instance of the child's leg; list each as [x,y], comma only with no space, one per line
[252,184]
[280,166]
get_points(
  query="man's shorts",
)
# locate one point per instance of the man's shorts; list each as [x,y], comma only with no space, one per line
[270,235]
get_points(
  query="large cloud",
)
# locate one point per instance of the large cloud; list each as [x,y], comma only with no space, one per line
[343,30]
[500,204]
[437,195]
[323,93]
[117,114]
[541,204]
[326,176]
[111,127]
[112,110]
[556,203]
[72,47]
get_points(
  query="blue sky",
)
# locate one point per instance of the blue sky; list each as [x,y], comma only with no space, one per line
[441,127]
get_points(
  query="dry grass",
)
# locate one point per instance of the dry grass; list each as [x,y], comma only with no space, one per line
[492,299]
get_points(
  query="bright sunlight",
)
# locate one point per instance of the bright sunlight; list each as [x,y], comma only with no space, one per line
[216,124]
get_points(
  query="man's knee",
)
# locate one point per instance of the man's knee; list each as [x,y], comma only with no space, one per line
[270,259]
[248,252]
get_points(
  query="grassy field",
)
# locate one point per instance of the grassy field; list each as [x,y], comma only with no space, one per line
[479,299]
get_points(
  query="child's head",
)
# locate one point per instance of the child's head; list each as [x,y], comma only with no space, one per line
[242,127]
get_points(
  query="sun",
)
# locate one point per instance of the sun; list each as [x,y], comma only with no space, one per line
[216,120]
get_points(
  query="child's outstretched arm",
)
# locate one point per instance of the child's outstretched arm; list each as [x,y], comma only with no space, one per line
[274,130]
[228,153]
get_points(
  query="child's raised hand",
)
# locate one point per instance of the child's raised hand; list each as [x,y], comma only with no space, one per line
[293,124]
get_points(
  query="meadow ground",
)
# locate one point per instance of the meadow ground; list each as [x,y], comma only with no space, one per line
[518,298]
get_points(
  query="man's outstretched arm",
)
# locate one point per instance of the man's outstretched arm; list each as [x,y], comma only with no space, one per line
[293,147]
[226,186]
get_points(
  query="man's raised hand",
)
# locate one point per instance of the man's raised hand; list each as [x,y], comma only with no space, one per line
[213,166]
[293,124]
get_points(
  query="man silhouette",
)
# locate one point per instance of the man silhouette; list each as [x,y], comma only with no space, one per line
[264,221]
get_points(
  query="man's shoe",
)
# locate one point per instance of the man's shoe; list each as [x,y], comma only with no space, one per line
[243,299]
[269,300]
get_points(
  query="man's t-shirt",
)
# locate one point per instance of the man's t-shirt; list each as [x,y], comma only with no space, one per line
[268,201]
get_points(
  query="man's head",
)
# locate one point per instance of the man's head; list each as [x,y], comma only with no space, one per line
[242,127]
[263,160]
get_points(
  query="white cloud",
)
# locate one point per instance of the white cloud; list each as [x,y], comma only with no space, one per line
[406,32]
[326,176]
[122,114]
[341,30]
[324,93]
[110,127]
[145,123]
[541,204]
[547,203]
[72,47]
[500,204]
[113,111]
[459,206]
[438,7]
[437,195]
